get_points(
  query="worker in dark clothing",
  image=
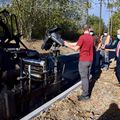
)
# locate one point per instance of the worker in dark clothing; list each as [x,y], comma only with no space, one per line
[96,42]
[116,44]
[105,39]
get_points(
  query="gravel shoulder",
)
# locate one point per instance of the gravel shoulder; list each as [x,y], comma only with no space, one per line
[103,105]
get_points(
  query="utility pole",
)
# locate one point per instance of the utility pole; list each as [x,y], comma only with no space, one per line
[49,3]
[100,17]
[86,2]
[87,7]
[109,18]
[111,22]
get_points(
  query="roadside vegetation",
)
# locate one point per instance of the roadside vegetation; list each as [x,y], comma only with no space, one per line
[36,16]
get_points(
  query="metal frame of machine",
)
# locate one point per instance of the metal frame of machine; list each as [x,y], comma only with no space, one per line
[35,71]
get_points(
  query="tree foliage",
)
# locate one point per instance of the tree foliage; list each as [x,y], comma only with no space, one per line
[94,22]
[36,16]
[114,3]
[115,22]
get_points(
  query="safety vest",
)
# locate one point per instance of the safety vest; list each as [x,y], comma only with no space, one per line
[107,40]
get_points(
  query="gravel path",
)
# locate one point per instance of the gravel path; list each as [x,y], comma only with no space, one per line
[103,105]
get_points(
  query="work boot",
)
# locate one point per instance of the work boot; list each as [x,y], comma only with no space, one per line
[82,98]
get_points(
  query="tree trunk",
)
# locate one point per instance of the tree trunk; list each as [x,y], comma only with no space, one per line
[29,33]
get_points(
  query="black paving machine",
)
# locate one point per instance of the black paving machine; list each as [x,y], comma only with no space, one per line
[27,77]
[45,68]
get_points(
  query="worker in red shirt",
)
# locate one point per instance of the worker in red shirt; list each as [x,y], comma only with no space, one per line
[85,45]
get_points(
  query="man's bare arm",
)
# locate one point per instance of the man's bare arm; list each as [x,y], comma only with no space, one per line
[72,46]
[71,43]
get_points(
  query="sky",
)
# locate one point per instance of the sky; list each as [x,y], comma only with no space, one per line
[95,10]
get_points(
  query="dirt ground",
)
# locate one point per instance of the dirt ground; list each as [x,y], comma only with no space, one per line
[36,45]
[104,103]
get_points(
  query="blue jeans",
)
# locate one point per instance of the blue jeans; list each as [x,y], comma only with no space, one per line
[105,58]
